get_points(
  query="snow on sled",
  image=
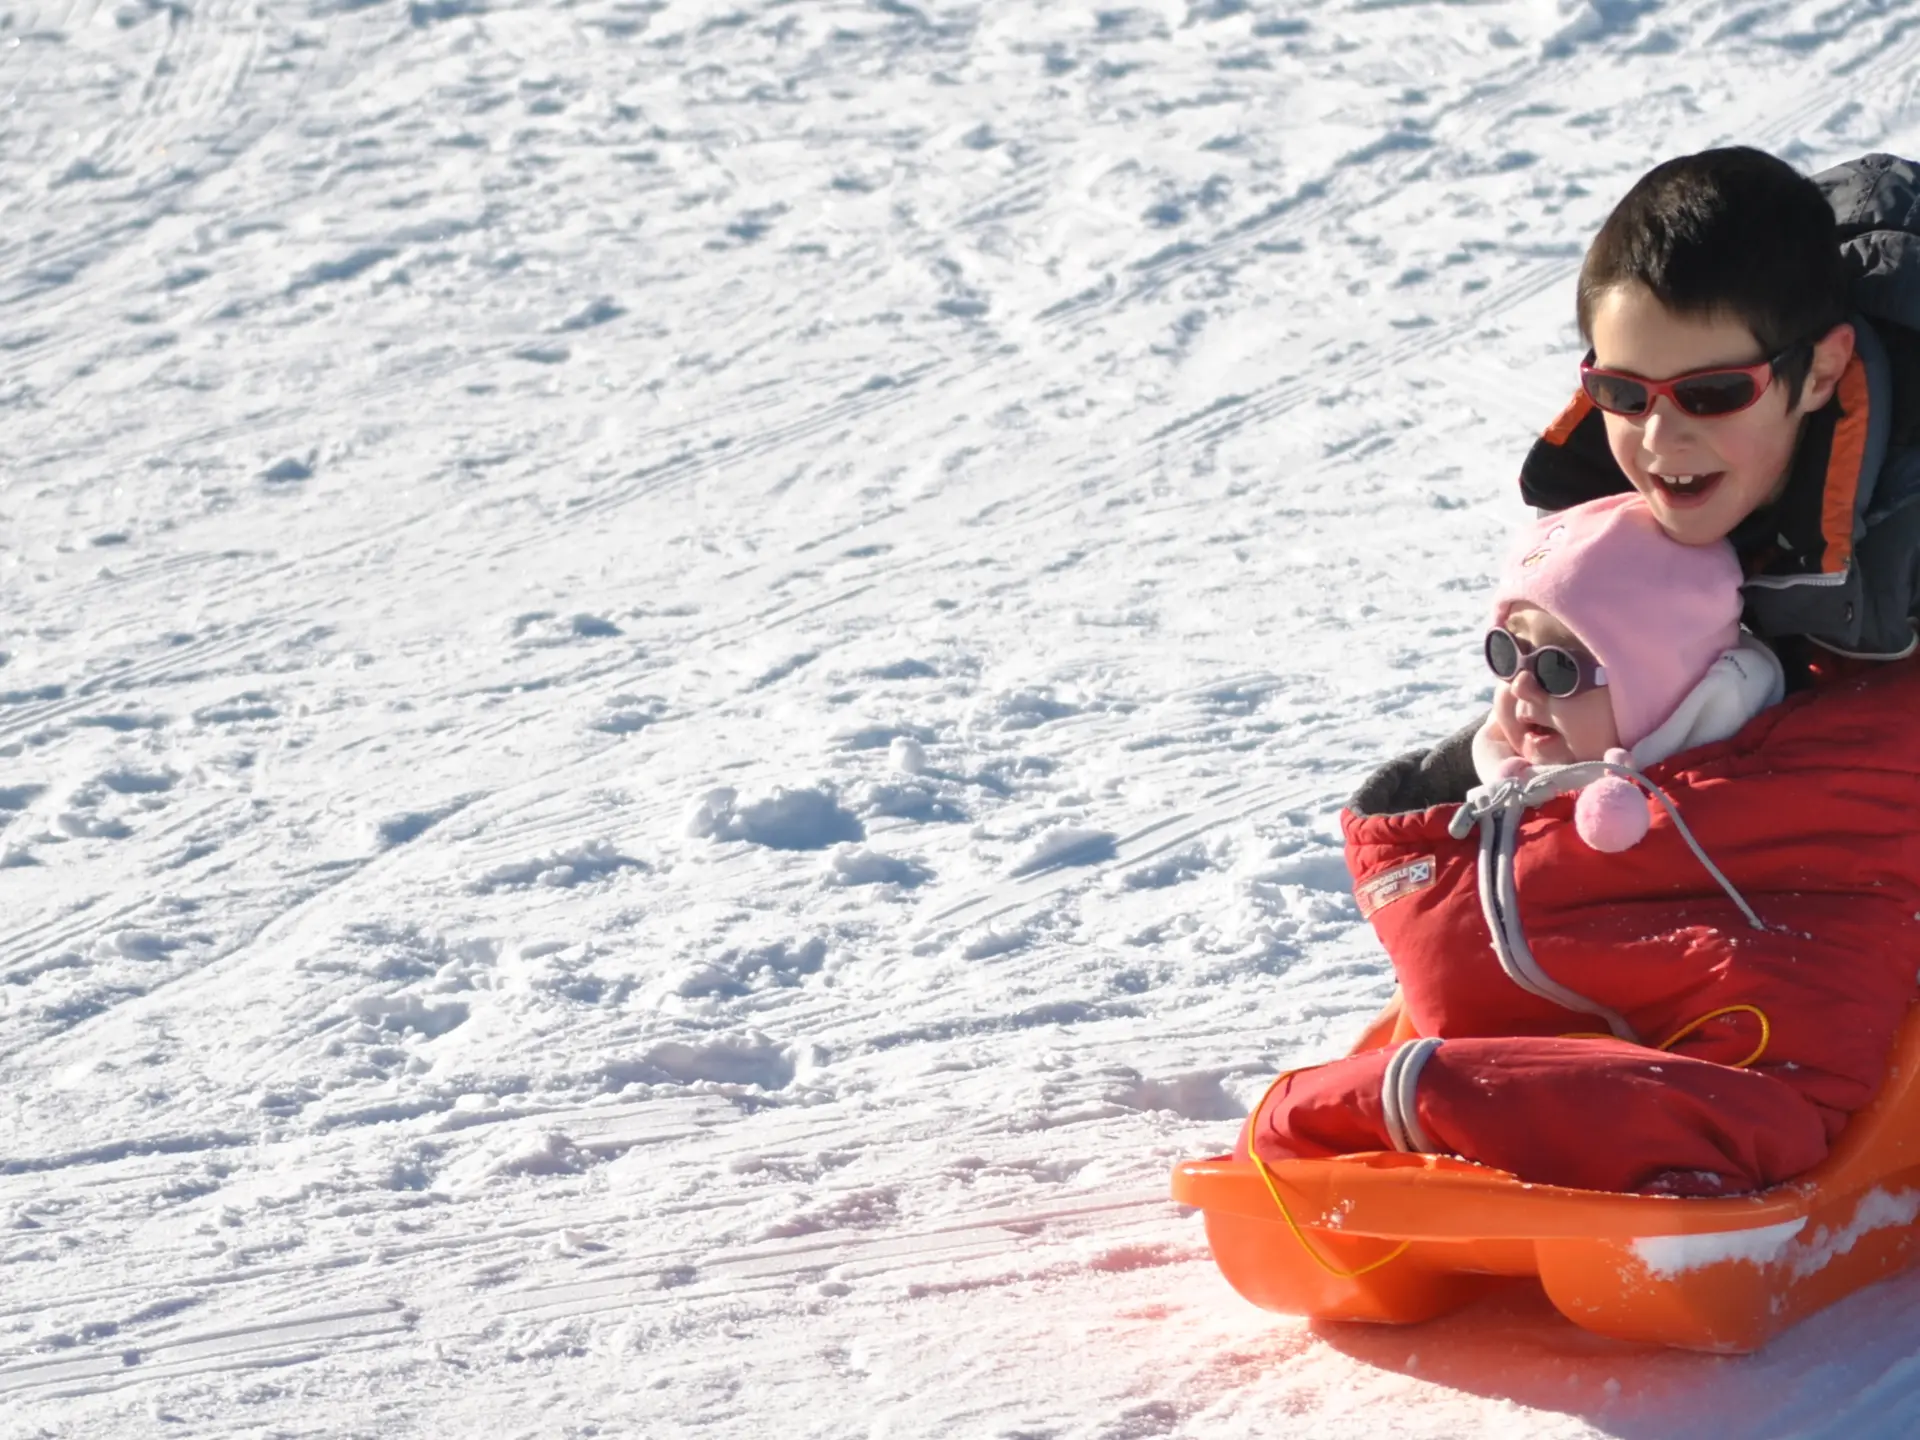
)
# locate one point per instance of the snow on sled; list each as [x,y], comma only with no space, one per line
[1398,1238]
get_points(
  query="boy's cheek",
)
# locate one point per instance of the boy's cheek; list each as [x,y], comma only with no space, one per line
[1755,451]
[1624,441]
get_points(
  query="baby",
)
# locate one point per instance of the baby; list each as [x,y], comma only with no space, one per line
[1585,998]
[1610,636]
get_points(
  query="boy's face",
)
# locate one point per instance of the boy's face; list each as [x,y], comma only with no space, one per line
[1543,729]
[1702,477]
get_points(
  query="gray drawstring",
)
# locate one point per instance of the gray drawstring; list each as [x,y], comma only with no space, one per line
[1500,900]
[1397,1100]
[1498,809]
[1588,771]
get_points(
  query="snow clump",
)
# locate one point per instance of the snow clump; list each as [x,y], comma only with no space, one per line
[857,865]
[805,819]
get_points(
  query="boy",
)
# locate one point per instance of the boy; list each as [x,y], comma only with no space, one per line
[1732,382]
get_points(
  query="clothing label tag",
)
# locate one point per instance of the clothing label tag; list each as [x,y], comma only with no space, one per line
[1395,884]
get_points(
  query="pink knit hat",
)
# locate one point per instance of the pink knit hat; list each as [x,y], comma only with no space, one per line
[1655,613]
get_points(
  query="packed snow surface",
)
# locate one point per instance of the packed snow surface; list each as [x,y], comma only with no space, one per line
[675,676]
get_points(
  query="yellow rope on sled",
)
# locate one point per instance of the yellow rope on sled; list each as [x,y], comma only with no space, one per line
[1287,1215]
[1338,1273]
[1766,1031]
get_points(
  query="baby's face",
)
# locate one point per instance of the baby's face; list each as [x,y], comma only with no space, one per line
[1543,729]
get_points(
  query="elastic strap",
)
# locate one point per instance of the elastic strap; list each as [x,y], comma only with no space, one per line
[1398,1100]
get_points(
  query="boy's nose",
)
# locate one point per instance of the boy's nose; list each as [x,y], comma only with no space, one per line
[1665,419]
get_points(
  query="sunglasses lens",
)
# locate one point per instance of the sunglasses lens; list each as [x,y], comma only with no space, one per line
[1716,394]
[1503,656]
[1615,393]
[1557,671]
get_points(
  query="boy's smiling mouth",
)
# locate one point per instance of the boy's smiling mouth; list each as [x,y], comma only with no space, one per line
[1688,489]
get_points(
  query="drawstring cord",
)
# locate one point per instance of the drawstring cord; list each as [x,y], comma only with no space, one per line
[1628,772]
[1497,810]
[1543,785]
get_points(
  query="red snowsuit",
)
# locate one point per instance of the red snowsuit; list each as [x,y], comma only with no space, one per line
[1812,812]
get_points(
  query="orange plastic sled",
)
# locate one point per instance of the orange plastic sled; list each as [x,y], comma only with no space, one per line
[1400,1238]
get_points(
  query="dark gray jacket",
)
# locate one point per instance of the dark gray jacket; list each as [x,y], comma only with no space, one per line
[1837,558]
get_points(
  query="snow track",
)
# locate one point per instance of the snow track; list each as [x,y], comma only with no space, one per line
[674,681]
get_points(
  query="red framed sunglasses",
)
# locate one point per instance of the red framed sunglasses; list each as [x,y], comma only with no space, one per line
[1703,394]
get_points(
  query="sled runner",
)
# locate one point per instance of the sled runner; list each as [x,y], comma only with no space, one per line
[1399,1238]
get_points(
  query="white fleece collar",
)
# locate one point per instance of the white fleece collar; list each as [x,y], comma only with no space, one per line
[1738,686]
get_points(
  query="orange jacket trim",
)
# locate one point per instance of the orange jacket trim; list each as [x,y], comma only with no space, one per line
[1844,461]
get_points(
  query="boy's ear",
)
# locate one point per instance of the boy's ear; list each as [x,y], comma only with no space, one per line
[1831,352]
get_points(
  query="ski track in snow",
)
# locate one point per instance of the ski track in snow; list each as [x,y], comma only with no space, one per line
[676,676]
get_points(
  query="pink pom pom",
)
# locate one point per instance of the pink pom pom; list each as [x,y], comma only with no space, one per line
[1611,814]
[1512,768]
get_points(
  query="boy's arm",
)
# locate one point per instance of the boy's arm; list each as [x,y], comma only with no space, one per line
[1888,558]
[1571,462]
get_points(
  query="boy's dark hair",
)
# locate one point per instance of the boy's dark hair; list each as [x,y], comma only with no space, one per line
[1727,232]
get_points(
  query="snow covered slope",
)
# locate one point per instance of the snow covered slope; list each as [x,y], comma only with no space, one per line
[676,679]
